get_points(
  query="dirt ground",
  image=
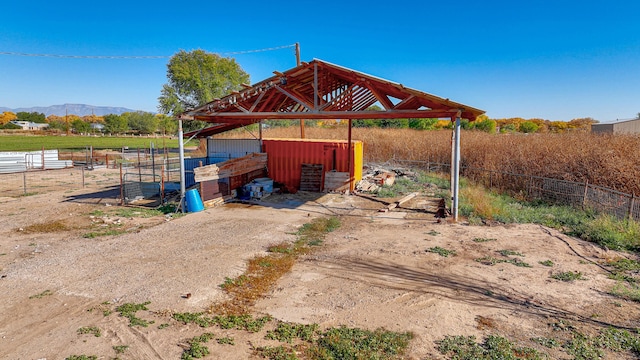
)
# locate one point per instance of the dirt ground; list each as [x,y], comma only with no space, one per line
[373,272]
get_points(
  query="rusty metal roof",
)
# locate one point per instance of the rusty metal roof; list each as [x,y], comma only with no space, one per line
[321,90]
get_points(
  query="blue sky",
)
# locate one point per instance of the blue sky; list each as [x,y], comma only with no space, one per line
[555,60]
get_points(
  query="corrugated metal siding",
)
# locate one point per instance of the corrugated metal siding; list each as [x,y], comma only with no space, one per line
[18,161]
[286,156]
[232,148]
[622,127]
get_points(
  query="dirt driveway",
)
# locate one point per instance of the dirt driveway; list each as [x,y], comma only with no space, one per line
[62,271]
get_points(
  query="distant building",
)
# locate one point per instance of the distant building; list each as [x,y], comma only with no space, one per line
[620,127]
[28,125]
[97,127]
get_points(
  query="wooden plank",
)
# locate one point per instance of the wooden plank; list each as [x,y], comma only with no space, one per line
[399,202]
[336,181]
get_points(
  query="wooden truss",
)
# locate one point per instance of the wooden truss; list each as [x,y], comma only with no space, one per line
[321,90]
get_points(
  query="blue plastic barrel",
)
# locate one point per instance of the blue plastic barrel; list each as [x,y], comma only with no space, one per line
[192,200]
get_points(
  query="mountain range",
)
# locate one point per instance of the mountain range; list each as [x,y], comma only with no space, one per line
[71,109]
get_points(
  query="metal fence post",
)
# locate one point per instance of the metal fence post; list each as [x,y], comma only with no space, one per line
[631,204]
[139,170]
[24,182]
[121,187]
[586,194]
[82,176]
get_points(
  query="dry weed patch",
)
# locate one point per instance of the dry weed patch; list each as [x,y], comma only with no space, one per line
[264,271]
[47,227]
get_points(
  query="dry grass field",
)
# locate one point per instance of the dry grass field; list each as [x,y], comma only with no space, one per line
[611,161]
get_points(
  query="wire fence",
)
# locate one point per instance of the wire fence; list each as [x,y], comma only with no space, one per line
[44,181]
[155,178]
[529,187]
[90,157]
[158,175]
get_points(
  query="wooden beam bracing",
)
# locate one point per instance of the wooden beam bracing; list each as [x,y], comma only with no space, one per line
[321,90]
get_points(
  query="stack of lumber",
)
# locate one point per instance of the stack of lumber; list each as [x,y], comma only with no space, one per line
[230,168]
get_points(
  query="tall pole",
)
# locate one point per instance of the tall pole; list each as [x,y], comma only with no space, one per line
[456,166]
[298,64]
[181,156]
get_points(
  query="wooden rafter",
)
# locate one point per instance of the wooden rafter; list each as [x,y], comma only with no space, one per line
[320,90]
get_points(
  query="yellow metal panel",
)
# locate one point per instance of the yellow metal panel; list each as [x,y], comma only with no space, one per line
[358,162]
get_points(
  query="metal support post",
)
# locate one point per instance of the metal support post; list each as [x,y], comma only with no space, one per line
[456,170]
[181,156]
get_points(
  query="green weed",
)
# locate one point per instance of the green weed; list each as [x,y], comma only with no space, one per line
[196,348]
[509,253]
[568,276]
[95,331]
[481,240]
[287,332]
[623,264]
[493,347]
[137,213]
[129,311]
[226,341]
[229,282]
[41,295]
[81,357]
[489,260]
[277,353]
[546,263]
[105,232]
[441,251]
[546,342]
[120,349]
[629,291]
[354,343]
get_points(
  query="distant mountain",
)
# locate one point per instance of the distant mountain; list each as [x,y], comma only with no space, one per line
[71,109]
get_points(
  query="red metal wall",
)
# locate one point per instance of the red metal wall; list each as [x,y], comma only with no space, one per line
[286,156]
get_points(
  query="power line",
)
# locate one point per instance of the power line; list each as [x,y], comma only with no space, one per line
[137,57]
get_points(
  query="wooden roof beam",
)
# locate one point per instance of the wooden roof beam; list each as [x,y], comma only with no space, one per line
[294,98]
[406,103]
[391,114]
[382,98]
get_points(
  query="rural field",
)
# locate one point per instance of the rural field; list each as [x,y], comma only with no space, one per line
[319,276]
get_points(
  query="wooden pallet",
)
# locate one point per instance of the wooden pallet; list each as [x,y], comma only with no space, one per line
[311,177]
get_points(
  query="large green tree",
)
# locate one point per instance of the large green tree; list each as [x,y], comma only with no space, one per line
[142,122]
[35,117]
[115,124]
[195,78]
[80,126]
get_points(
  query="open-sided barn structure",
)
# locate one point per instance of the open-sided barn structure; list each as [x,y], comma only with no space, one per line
[321,90]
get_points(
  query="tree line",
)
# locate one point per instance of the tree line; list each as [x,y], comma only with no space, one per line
[148,123]
[138,122]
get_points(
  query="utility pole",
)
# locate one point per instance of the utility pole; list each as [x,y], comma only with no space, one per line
[298,64]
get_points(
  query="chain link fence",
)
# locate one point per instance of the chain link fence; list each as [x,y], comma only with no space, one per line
[529,187]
